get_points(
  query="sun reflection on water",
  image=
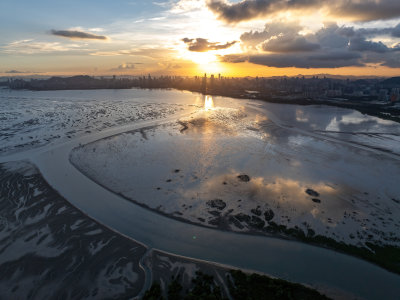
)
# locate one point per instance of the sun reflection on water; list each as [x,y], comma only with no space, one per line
[208,103]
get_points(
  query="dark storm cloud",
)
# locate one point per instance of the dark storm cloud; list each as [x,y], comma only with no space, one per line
[366,10]
[330,47]
[389,59]
[203,45]
[74,34]
[390,31]
[254,38]
[234,58]
[396,31]
[276,29]
[335,59]
[284,44]
[241,11]
[361,44]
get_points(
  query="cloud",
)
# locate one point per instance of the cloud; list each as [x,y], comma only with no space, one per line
[289,44]
[203,45]
[356,10]
[253,38]
[169,65]
[361,44]
[242,11]
[126,66]
[393,61]
[366,10]
[30,46]
[279,37]
[153,53]
[396,31]
[271,30]
[334,59]
[19,72]
[75,34]
[15,72]
[329,47]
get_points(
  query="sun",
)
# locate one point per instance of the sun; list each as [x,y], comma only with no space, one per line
[206,62]
[211,68]
[201,58]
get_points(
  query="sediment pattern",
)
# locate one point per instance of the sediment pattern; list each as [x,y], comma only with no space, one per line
[51,250]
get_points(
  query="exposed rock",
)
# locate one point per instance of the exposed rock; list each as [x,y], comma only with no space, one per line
[242,217]
[256,222]
[214,213]
[235,222]
[269,215]
[216,222]
[244,178]
[217,203]
[257,211]
[316,200]
[311,192]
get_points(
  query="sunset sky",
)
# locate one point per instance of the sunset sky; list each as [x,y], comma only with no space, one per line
[190,37]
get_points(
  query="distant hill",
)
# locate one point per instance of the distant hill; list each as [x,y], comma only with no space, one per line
[392,81]
[80,82]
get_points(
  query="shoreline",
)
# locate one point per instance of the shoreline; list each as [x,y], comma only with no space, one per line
[383,111]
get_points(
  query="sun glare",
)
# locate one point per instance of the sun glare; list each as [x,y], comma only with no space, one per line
[201,58]
[208,103]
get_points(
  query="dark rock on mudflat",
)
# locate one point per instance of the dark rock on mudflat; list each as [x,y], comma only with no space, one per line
[234,221]
[310,232]
[256,222]
[217,203]
[257,211]
[316,200]
[311,192]
[244,178]
[269,215]
[242,217]
[216,222]
[214,213]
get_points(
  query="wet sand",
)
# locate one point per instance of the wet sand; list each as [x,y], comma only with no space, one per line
[49,249]
[233,169]
[201,127]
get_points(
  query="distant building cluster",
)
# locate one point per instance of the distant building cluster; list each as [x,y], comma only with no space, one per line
[284,88]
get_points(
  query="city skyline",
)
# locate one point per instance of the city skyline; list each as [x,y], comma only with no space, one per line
[190,37]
